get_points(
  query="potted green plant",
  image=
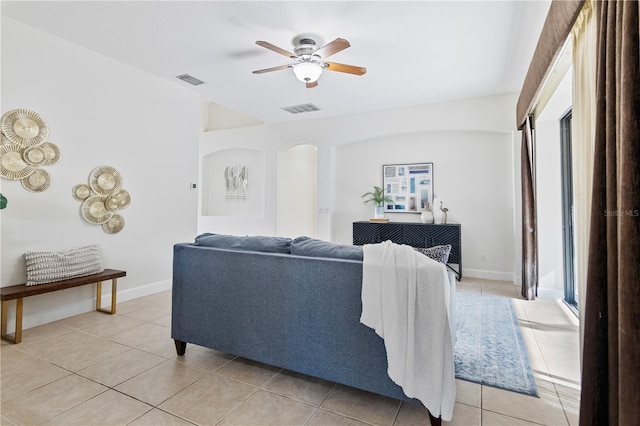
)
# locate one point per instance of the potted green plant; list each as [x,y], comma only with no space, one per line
[3,201]
[378,199]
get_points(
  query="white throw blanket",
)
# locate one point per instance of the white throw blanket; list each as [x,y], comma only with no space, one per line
[405,299]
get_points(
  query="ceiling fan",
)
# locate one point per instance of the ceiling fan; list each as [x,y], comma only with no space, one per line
[309,60]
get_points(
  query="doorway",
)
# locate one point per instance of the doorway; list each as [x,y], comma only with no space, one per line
[297,192]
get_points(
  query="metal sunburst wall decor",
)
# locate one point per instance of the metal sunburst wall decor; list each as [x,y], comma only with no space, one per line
[25,149]
[102,197]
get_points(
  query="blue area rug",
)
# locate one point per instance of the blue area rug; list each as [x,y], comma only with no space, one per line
[489,348]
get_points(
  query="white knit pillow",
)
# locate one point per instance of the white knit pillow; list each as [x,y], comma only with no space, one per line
[49,266]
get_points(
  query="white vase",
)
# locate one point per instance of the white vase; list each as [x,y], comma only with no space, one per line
[427,215]
[378,212]
[438,216]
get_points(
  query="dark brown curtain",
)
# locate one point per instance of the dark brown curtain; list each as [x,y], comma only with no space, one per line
[529,243]
[611,359]
[557,27]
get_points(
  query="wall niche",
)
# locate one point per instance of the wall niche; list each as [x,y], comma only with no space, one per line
[217,198]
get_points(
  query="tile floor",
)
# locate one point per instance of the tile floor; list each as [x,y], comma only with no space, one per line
[96,369]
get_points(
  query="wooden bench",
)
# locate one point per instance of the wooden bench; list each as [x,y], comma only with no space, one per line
[18,292]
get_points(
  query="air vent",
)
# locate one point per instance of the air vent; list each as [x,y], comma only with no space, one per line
[190,79]
[297,109]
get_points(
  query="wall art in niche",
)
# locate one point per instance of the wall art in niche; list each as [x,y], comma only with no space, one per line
[410,186]
[102,198]
[236,182]
[25,149]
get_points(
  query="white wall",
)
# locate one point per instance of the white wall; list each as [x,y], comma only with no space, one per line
[471,174]
[100,112]
[469,141]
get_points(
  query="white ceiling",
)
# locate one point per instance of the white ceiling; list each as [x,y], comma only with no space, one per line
[415,52]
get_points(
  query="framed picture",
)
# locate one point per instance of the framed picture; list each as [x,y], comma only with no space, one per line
[410,186]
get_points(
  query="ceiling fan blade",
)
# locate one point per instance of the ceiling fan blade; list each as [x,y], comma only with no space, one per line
[332,48]
[281,67]
[275,48]
[312,85]
[351,69]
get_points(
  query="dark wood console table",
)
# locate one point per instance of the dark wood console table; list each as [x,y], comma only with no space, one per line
[413,234]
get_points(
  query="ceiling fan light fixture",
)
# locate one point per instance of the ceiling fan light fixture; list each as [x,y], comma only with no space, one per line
[309,61]
[307,72]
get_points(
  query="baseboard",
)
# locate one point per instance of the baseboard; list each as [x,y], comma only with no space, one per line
[543,292]
[488,275]
[145,290]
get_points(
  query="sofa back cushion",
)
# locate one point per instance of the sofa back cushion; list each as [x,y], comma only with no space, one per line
[306,246]
[248,243]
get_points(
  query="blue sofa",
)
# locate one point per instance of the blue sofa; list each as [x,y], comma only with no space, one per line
[294,304]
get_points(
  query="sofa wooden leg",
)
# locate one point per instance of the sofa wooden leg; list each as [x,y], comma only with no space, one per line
[181,347]
[435,421]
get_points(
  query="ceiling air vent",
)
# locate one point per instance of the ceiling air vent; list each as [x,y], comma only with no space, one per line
[297,109]
[190,79]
